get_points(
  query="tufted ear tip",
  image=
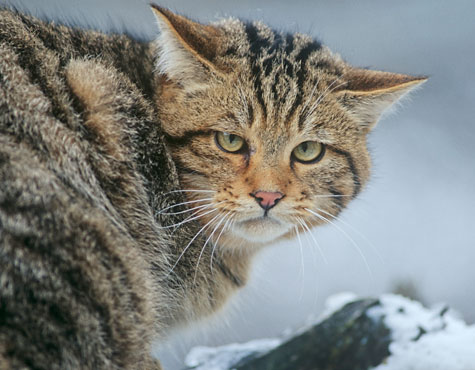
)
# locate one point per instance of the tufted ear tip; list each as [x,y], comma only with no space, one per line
[372,82]
[187,49]
[367,93]
[156,8]
[161,13]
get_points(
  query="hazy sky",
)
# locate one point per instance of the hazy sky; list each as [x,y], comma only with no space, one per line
[414,223]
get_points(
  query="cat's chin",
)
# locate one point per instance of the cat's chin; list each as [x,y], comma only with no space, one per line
[261,229]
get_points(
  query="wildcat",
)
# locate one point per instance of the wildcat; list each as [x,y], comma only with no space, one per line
[138,180]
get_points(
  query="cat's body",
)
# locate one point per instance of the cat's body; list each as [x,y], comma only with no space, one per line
[80,188]
[90,269]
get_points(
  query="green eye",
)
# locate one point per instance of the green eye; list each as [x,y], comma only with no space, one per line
[308,152]
[229,142]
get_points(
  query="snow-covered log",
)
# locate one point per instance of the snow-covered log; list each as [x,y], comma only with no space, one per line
[389,333]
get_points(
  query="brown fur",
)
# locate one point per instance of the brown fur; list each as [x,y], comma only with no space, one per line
[264,97]
[99,133]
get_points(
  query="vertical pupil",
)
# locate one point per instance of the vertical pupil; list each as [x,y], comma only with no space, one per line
[231,138]
[304,147]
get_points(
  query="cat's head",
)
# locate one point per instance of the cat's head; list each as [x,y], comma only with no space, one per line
[268,130]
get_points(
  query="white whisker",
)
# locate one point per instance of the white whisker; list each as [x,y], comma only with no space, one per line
[346,235]
[191,241]
[331,196]
[188,191]
[328,90]
[301,261]
[315,260]
[181,204]
[197,213]
[356,232]
[217,239]
[307,102]
[189,219]
[206,243]
[188,210]
[304,224]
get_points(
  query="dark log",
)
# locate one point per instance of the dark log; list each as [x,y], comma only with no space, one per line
[358,336]
[347,340]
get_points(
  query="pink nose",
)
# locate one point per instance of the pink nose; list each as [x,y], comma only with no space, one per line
[267,199]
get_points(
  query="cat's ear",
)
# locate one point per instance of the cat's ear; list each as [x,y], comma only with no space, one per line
[187,49]
[367,94]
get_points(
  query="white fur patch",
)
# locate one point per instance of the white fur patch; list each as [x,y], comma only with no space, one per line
[174,60]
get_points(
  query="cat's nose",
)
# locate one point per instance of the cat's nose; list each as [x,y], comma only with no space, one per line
[267,199]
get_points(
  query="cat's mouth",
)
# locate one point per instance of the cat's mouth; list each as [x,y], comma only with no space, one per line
[263,229]
[263,220]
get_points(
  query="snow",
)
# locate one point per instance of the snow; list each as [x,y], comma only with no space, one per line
[224,357]
[425,339]
[336,302]
[422,338]
[332,304]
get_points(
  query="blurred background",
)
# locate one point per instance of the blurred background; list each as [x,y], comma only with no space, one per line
[413,228]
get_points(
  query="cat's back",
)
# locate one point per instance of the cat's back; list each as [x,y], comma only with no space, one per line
[44,50]
[69,265]
[64,92]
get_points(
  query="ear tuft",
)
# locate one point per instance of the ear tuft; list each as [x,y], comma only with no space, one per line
[367,94]
[187,49]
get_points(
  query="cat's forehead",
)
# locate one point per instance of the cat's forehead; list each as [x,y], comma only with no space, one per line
[270,52]
[249,70]
[283,73]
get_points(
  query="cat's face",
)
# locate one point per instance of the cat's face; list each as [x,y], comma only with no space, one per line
[267,173]
[268,131]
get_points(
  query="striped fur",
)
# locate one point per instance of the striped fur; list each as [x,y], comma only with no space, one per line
[98,133]
[275,90]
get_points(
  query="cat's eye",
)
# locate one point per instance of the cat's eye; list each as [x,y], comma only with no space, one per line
[229,142]
[308,152]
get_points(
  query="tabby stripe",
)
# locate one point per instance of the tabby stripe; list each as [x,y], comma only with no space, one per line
[354,171]
[324,65]
[302,56]
[227,272]
[289,41]
[258,87]
[288,68]
[338,199]
[267,63]
[280,99]
[250,113]
[185,170]
[73,277]
[256,45]
[205,154]
[275,96]
[231,51]
[186,137]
